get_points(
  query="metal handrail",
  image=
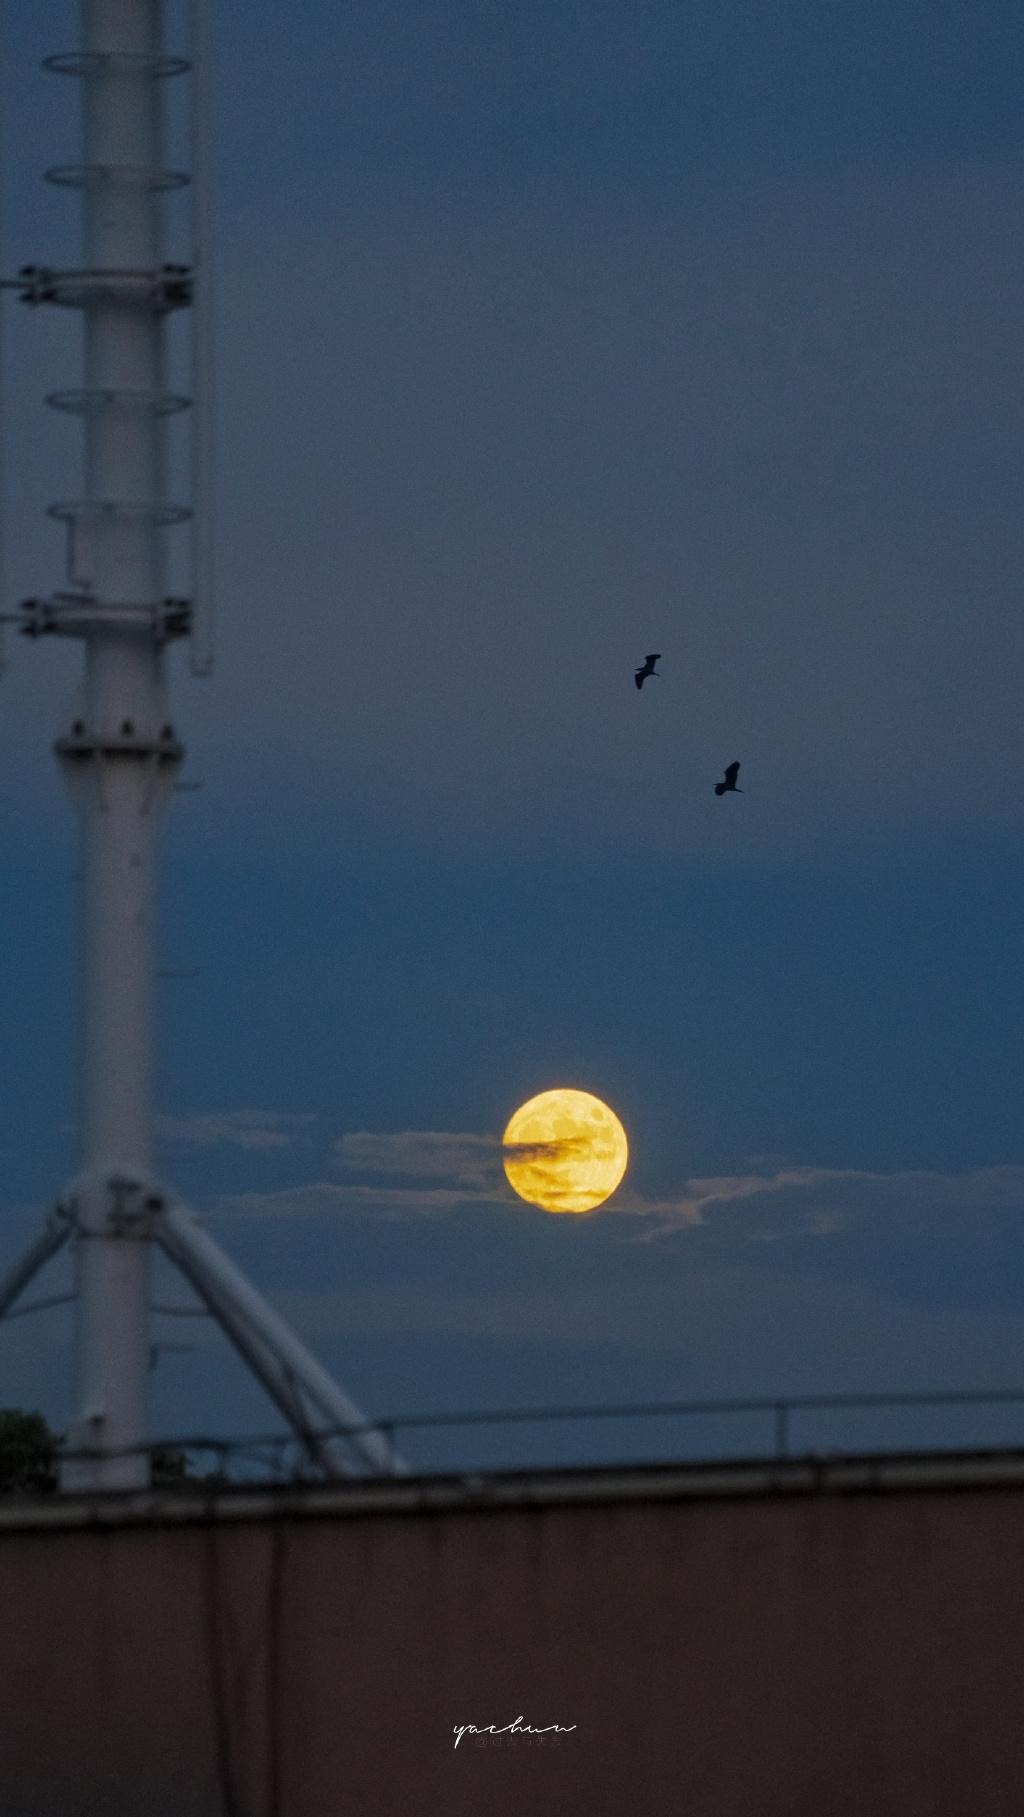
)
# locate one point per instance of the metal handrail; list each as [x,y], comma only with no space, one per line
[779,1409]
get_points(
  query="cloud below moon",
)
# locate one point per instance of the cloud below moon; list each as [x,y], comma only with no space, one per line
[433,1173]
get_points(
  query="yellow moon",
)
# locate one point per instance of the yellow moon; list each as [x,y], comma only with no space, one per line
[565,1150]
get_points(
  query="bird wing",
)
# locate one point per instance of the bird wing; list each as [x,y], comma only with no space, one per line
[654,657]
[732,770]
[639,678]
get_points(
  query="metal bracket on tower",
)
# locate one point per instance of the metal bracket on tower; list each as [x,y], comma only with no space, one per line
[163,289]
[76,614]
[158,290]
[131,1207]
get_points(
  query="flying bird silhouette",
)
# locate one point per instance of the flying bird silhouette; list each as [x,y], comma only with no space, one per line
[648,668]
[732,770]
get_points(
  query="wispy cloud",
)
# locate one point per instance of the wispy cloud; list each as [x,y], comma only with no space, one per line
[819,1201]
[439,1174]
[461,1158]
[470,1164]
[322,1197]
[248,1129]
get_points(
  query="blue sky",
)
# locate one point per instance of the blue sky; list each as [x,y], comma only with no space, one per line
[547,338]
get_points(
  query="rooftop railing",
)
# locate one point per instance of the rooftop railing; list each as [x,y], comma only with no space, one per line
[779,1428]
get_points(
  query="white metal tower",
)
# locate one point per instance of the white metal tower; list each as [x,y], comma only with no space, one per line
[119,752]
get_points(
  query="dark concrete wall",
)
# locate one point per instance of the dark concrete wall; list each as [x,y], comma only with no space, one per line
[828,1655]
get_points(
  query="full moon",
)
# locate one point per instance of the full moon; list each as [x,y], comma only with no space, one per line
[565,1150]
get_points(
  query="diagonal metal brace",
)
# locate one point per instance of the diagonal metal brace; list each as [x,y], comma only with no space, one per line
[54,1233]
[289,1372]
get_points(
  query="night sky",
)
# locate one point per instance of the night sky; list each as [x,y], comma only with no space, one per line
[549,336]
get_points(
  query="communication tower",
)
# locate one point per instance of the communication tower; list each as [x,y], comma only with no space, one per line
[119,752]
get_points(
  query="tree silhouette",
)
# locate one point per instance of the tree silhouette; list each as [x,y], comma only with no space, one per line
[28,1452]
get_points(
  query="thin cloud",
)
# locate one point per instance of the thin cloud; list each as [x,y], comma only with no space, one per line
[443,1154]
[820,1201]
[430,1173]
[545,1151]
[702,1198]
[248,1129]
[320,1197]
[461,1158]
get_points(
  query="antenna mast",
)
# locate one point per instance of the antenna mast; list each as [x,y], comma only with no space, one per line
[119,752]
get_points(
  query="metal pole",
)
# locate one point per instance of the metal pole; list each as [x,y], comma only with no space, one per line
[119,754]
[203,408]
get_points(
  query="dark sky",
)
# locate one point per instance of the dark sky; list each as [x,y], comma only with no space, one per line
[548,336]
